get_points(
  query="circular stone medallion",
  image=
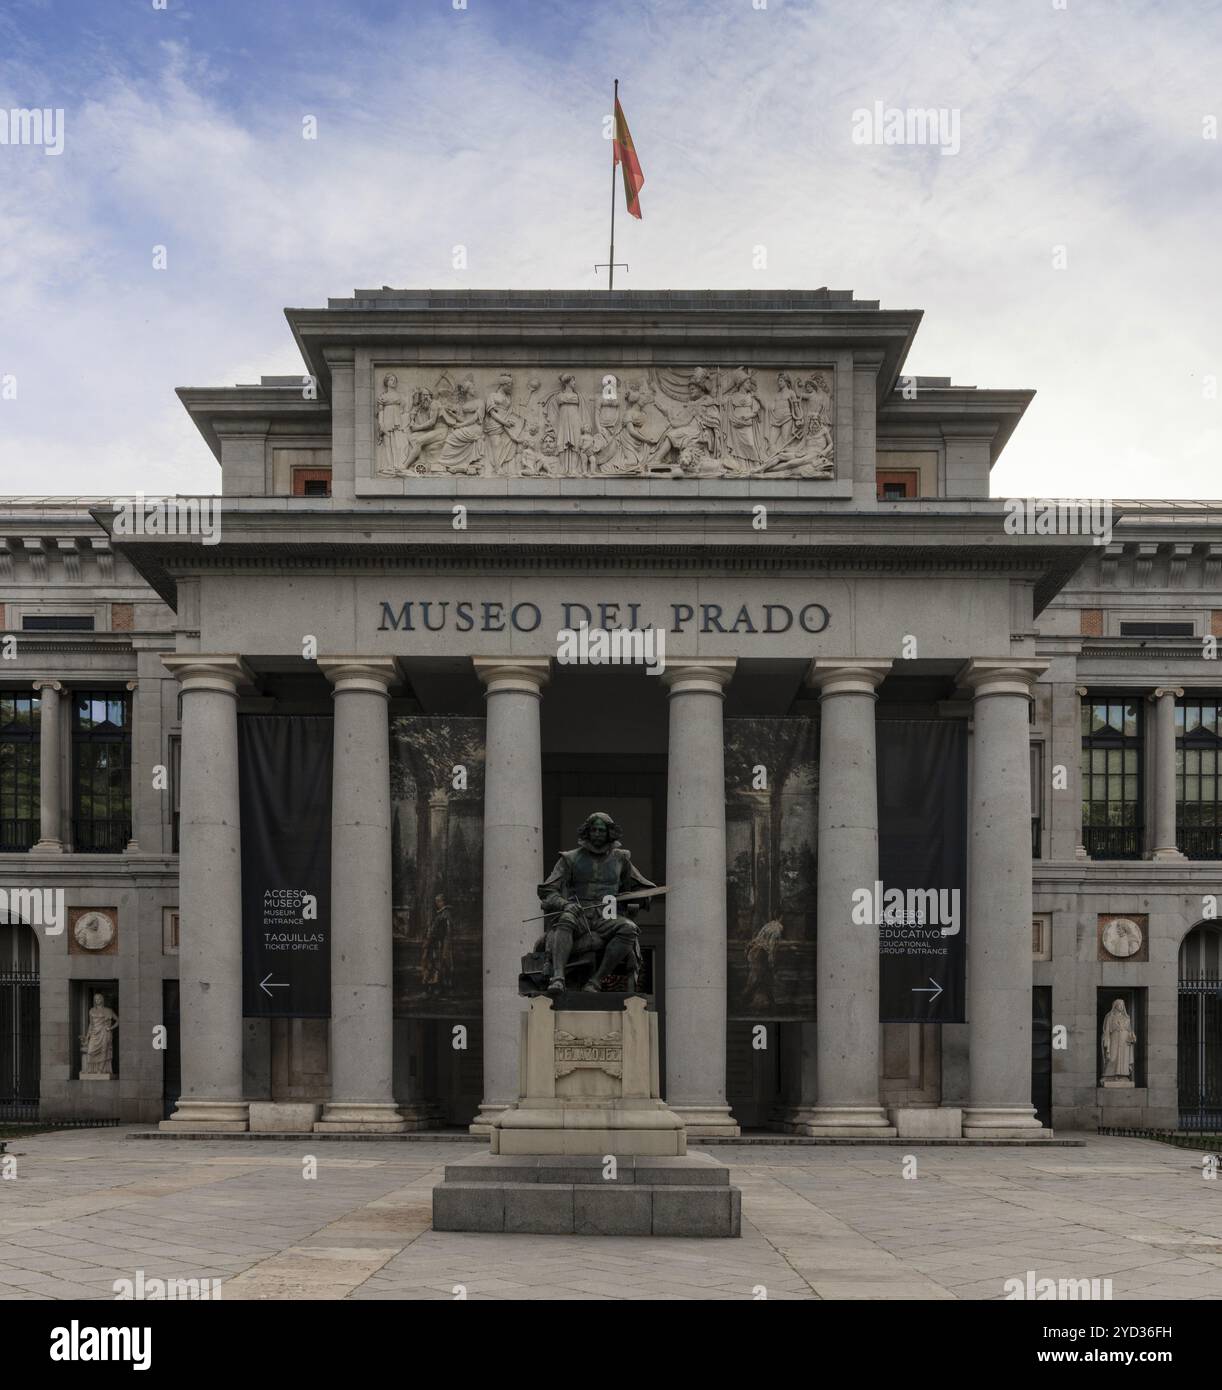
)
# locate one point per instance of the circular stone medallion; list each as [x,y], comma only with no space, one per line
[1122,938]
[94,931]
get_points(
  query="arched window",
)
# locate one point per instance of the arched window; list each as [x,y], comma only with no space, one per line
[1201,952]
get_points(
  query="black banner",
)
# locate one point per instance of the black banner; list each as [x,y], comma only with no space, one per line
[285,790]
[772,812]
[920,900]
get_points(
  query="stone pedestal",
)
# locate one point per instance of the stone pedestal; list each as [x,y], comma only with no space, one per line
[283,1117]
[927,1121]
[589,1083]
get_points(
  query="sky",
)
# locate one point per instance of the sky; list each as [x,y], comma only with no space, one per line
[1067,239]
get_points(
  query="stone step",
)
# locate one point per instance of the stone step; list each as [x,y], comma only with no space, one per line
[690,1170]
[609,1209]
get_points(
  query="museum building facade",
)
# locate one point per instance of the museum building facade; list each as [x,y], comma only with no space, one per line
[931,777]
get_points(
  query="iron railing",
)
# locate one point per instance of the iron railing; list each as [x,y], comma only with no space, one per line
[1112,841]
[1200,841]
[17,835]
[101,836]
[1200,1054]
[1035,837]
[19,1044]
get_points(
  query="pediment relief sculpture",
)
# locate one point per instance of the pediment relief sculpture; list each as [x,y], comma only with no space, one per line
[666,422]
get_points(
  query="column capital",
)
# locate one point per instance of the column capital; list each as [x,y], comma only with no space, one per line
[525,674]
[709,677]
[1000,676]
[372,675]
[197,672]
[1175,691]
[846,676]
[47,684]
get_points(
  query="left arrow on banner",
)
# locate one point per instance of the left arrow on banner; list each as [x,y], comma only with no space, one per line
[267,989]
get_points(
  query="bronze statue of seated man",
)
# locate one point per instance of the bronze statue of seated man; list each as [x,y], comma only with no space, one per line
[586,934]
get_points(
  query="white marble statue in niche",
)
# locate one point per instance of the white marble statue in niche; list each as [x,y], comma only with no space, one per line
[667,422]
[97,1041]
[1118,1041]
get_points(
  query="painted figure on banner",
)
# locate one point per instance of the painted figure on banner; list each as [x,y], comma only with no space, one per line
[437,955]
[761,964]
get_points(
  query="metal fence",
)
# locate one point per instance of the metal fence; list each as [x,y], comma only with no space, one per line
[1200,1054]
[19,1045]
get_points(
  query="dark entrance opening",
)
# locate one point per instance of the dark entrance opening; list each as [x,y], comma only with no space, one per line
[1199,1067]
[171,1059]
[1041,1053]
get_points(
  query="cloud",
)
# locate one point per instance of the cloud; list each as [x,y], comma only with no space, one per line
[1080,128]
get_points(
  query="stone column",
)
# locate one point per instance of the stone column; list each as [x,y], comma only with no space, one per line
[50,824]
[513,862]
[362,1014]
[846,989]
[1080,850]
[696,905]
[999,967]
[1164,844]
[210,897]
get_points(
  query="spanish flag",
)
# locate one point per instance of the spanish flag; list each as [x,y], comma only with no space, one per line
[625,154]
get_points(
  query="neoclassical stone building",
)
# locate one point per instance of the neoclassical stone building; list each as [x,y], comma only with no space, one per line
[279,780]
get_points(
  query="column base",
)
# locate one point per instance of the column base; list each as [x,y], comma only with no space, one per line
[1168,854]
[1003,1122]
[841,1122]
[360,1117]
[714,1120]
[487,1116]
[203,1116]
[47,847]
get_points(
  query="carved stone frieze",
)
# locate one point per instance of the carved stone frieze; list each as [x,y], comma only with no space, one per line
[663,422]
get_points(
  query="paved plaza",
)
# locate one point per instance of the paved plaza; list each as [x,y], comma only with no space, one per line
[89,1207]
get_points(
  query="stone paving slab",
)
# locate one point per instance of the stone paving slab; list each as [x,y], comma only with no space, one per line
[835,1222]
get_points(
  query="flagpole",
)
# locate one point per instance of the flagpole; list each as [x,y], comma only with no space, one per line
[611,257]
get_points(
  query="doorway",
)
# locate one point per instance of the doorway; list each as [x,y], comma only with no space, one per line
[20,1022]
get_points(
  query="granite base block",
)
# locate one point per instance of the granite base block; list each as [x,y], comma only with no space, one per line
[583,1195]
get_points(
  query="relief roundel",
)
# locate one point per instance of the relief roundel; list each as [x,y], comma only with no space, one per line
[1122,938]
[94,931]
[665,422]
